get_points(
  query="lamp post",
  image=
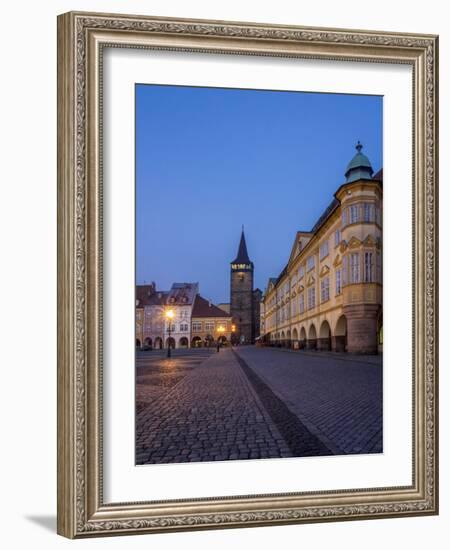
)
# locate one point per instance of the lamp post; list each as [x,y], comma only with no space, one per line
[233,330]
[169,316]
[220,330]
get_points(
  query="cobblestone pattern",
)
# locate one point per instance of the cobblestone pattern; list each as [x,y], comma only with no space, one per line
[339,398]
[156,374]
[300,440]
[212,414]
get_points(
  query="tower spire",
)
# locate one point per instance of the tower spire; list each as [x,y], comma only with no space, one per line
[242,255]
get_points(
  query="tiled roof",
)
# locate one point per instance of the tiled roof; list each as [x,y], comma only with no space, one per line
[329,210]
[146,297]
[205,308]
[182,294]
[378,175]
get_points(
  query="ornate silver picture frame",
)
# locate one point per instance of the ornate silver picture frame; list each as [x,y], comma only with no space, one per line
[82,41]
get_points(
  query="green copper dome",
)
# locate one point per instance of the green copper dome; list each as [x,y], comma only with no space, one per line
[359,167]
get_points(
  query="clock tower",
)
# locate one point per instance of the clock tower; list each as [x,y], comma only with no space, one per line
[241,295]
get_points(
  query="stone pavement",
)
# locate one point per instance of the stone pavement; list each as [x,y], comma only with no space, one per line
[338,397]
[251,402]
[156,374]
[211,413]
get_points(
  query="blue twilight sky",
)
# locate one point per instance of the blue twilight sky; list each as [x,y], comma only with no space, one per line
[211,159]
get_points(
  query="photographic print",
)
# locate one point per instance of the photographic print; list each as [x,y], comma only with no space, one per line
[259,296]
[245,336]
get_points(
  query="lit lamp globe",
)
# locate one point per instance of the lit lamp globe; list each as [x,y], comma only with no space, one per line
[220,330]
[170,314]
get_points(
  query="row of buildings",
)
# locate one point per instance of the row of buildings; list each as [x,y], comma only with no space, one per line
[194,321]
[198,322]
[329,294]
[327,297]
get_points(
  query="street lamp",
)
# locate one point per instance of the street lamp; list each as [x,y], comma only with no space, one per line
[220,330]
[233,330]
[169,316]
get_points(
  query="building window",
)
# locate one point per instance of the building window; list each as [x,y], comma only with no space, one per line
[378,215]
[323,250]
[301,272]
[338,282]
[325,289]
[302,303]
[294,308]
[369,213]
[171,327]
[184,327]
[337,237]
[368,267]
[311,297]
[196,326]
[354,213]
[209,326]
[310,263]
[344,217]
[354,268]
[379,269]
[344,270]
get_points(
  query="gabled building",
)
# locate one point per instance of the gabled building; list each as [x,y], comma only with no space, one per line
[329,294]
[180,300]
[150,321]
[152,329]
[210,324]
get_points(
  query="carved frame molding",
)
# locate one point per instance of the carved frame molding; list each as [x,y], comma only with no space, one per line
[81,38]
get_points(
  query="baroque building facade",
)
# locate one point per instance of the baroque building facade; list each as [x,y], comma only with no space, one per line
[329,294]
[152,327]
[196,322]
[180,300]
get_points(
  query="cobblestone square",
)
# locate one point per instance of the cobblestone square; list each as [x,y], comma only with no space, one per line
[249,402]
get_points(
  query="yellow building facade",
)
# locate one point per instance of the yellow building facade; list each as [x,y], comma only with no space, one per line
[329,295]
